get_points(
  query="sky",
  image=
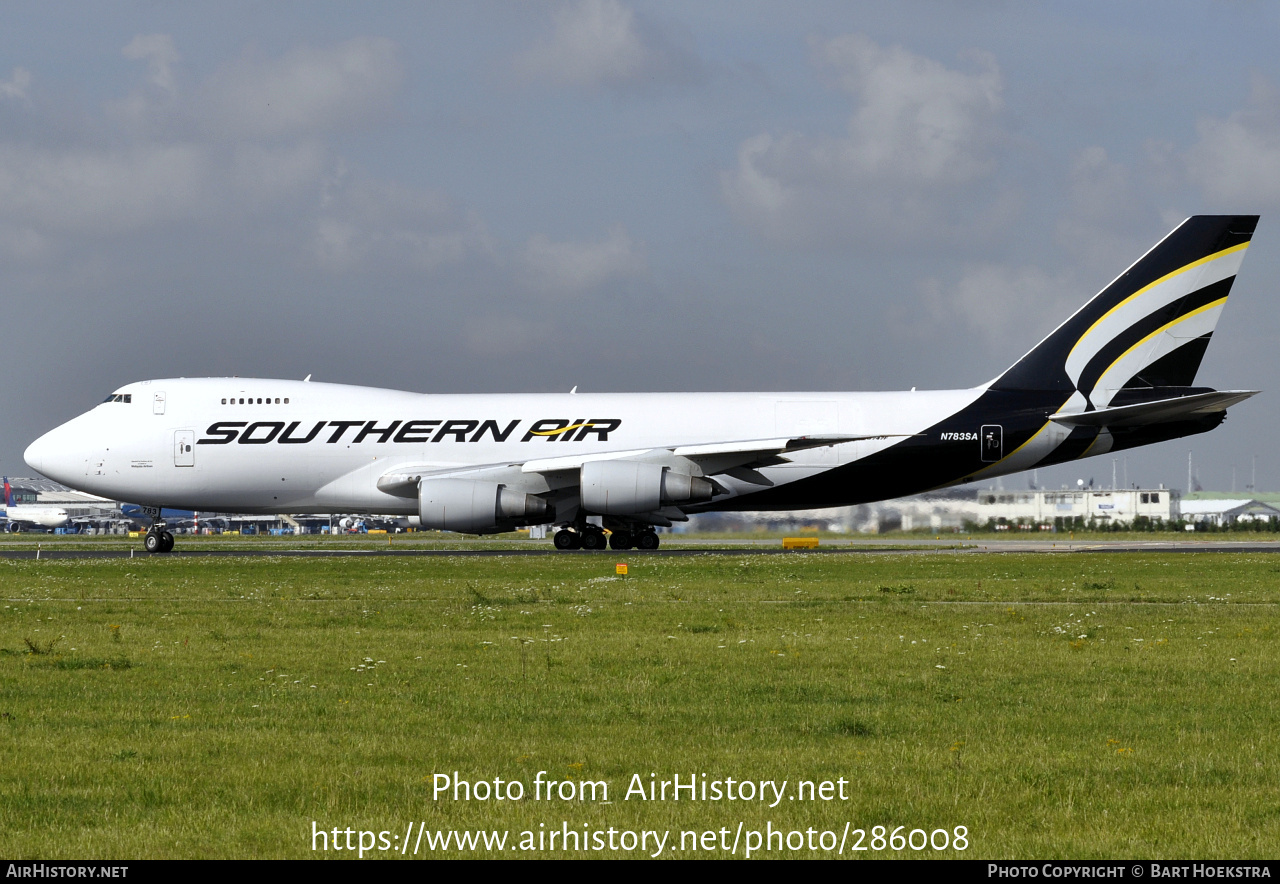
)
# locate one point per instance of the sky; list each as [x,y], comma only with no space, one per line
[622,196]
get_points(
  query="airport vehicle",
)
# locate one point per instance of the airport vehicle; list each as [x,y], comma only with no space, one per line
[1117,374]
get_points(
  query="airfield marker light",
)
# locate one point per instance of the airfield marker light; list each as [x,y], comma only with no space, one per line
[621,568]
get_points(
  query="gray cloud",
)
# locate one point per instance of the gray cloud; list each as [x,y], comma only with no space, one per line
[17,85]
[1002,305]
[242,143]
[919,135]
[605,43]
[1236,160]
[368,222]
[160,54]
[1109,217]
[103,192]
[565,269]
[307,91]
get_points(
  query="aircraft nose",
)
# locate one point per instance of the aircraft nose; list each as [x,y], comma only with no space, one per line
[51,456]
[34,455]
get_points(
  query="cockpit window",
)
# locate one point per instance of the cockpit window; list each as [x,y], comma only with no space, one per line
[119,397]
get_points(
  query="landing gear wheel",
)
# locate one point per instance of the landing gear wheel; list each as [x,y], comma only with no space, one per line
[647,540]
[166,541]
[566,539]
[153,542]
[620,540]
[594,540]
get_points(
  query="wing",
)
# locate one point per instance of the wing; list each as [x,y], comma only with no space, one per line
[546,474]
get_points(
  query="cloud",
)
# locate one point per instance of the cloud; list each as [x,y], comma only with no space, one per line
[49,195]
[916,119]
[1108,220]
[158,51]
[919,135]
[1236,161]
[219,154]
[307,91]
[102,192]
[603,43]
[371,223]
[1104,227]
[570,268]
[1004,306]
[17,85]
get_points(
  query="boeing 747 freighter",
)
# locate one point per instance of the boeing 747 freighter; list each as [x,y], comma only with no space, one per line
[1117,374]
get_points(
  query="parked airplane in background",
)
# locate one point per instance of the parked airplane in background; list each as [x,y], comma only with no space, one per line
[32,515]
[25,516]
[1115,375]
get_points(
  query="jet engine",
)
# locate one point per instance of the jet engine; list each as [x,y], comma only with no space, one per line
[620,487]
[474,507]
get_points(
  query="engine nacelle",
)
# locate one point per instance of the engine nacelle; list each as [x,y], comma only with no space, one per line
[474,507]
[622,487]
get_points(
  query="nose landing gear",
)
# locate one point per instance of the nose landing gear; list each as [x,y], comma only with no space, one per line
[158,539]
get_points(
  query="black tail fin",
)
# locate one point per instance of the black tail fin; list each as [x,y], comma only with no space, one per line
[1151,325]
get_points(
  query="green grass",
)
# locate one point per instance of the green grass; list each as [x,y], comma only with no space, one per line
[435,540]
[1055,705]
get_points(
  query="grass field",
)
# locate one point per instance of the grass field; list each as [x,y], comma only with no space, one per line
[1100,705]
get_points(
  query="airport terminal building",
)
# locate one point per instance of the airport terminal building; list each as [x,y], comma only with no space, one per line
[1044,507]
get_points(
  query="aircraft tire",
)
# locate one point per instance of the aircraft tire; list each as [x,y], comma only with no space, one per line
[153,542]
[566,539]
[166,542]
[594,540]
[621,540]
[648,540]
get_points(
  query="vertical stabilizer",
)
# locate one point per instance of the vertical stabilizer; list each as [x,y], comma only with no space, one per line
[1150,327]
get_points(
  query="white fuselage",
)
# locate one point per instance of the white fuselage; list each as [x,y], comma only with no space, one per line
[36,514]
[314,448]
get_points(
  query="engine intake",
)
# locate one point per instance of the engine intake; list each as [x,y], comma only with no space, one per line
[620,487]
[474,507]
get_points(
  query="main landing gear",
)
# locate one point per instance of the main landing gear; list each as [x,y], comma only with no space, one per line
[593,538]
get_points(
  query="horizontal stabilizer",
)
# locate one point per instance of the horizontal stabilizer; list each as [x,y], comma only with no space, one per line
[1162,411]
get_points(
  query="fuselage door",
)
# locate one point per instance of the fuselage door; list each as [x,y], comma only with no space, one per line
[157,403]
[992,441]
[184,448]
